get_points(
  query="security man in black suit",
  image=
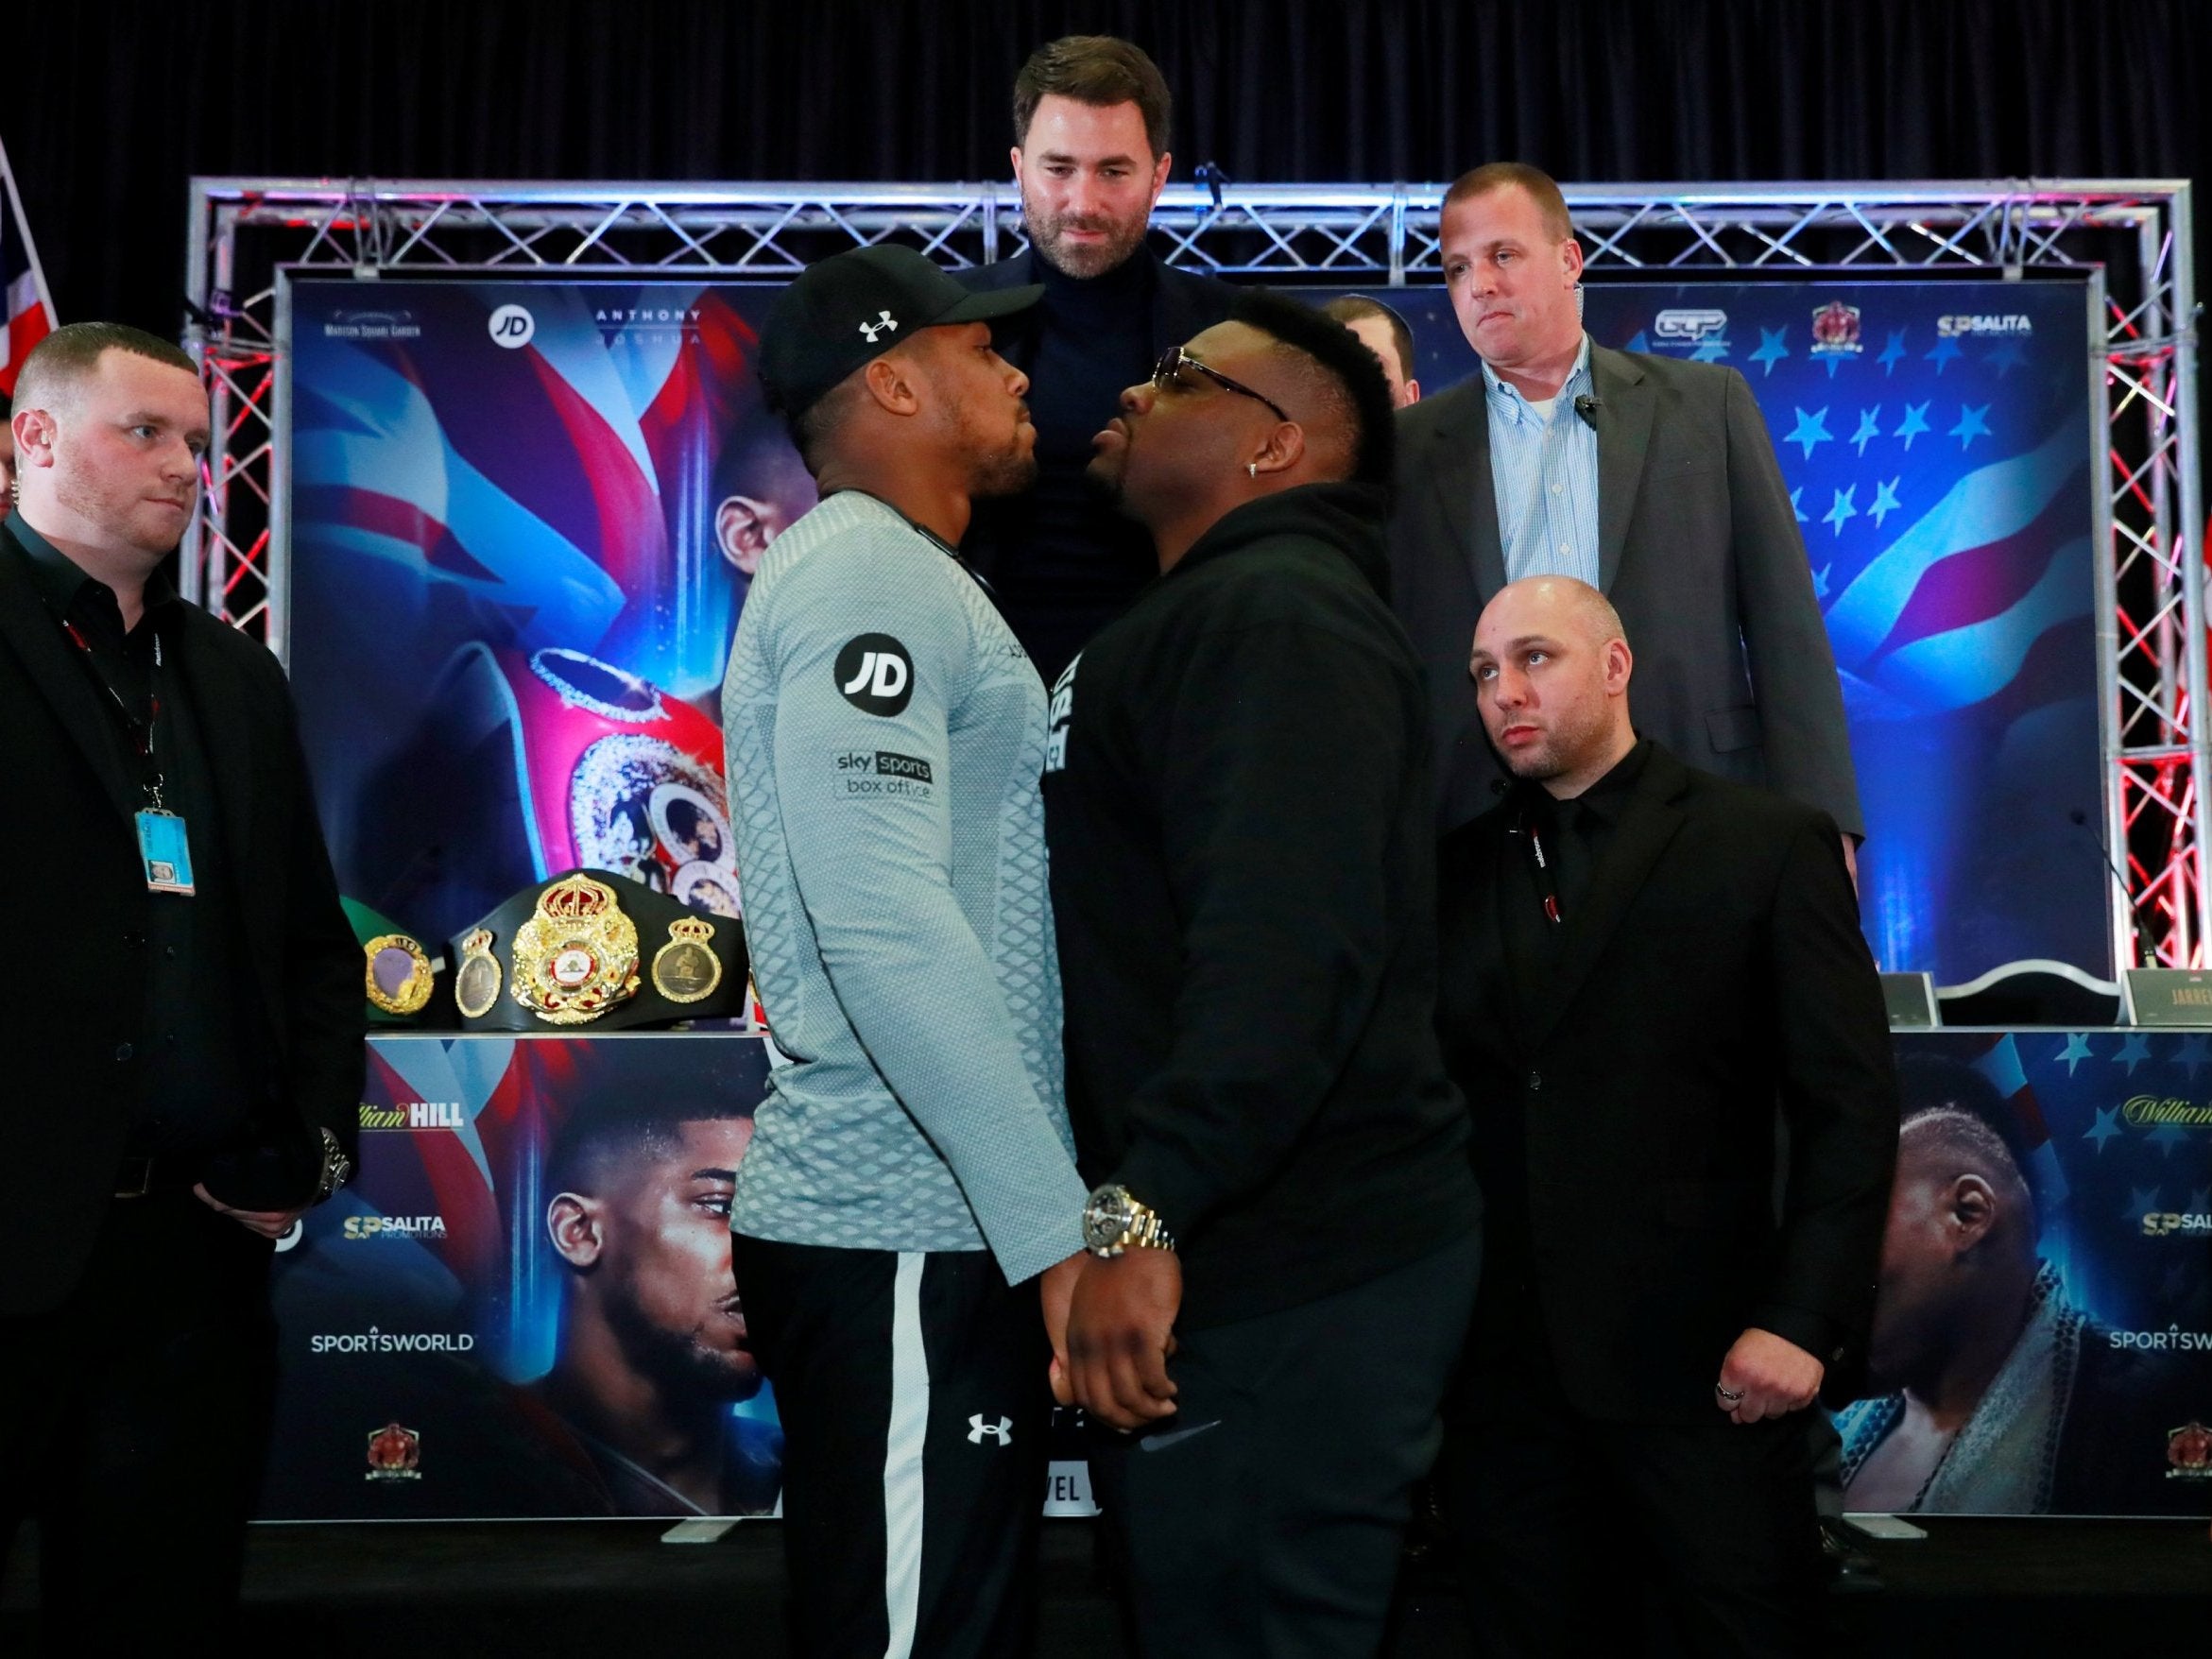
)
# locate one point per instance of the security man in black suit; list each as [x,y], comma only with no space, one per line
[183,1016]
[1641,961]
[1091,156]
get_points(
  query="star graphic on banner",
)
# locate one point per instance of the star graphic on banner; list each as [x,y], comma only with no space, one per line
[1810,429]
[1836,361]
[2133,1053]
[2106,1127]
[1642,342]
[1820,581]
[2142,1201]
[1796,508]
[2201,1201]
[1841,510]
[2167,1136]
[1869,429]
[1712,351]
[2192,1052]
[1946,352]
[1771,350]
[1915,423]
[2076,1051]
[1885,499]
[1893,353]
[2007,355]
[1973,423]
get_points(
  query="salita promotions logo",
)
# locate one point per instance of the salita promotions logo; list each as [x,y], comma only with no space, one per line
[394,1227]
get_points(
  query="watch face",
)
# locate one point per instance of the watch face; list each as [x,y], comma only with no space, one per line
[1105,1218]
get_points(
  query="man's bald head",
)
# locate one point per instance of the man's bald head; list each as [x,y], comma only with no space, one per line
[1560,603]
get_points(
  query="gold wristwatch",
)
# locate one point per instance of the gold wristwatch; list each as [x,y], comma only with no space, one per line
[1114,1221]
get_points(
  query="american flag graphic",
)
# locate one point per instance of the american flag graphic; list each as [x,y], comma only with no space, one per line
[1935,440]
[29,308]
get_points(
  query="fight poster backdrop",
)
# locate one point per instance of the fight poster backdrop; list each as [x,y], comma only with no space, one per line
[523,1308]
[1936,442]
[523,519]
[523,1305]
[2042,1337]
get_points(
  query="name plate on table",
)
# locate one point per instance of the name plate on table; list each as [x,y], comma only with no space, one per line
[1908,999]
[2168,996]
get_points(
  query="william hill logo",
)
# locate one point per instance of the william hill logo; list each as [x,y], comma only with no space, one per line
[414,1115]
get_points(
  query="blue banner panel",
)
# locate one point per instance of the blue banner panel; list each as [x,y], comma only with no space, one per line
[2043,1335]
[524,1305]
[1936,440]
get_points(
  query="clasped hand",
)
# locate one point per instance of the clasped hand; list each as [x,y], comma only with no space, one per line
[1111,1321]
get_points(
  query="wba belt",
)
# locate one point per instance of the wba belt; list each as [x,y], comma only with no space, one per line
[592,948]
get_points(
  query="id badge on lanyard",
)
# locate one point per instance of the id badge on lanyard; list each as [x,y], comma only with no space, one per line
[163,848]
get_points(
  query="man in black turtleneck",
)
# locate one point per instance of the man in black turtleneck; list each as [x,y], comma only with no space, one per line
[1091,134]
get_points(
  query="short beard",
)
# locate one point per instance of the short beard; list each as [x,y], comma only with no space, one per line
[1046,233]
[1004,473]
[681,1361]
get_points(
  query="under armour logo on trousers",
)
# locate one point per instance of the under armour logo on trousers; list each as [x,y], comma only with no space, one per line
[1002,1432]
[888,325]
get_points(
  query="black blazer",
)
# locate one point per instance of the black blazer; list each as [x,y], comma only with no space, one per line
[1698,550]
[1716,968]
[76,926]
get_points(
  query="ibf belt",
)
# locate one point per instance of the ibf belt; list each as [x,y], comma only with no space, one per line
[578,956]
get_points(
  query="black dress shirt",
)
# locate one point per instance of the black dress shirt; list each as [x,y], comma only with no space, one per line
[197,1093]
[1574,835]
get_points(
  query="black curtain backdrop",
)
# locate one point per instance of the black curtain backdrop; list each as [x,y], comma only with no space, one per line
[107,107]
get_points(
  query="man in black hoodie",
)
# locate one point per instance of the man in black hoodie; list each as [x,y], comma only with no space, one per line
[1237,799]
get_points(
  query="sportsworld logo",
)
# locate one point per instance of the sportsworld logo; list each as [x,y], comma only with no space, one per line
[874,675]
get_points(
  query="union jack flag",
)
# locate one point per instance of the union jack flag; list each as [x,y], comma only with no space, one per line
[27,307]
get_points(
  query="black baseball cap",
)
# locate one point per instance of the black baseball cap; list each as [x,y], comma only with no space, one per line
[852,307]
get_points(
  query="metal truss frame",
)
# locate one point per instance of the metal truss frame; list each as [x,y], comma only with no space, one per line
[2134,234]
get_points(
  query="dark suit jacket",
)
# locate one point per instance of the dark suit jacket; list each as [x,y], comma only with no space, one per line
[1698,550]
[1716,966]
[76,904]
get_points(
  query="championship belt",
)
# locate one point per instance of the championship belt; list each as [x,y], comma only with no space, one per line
[397,975]
[594,948]
[578,956]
